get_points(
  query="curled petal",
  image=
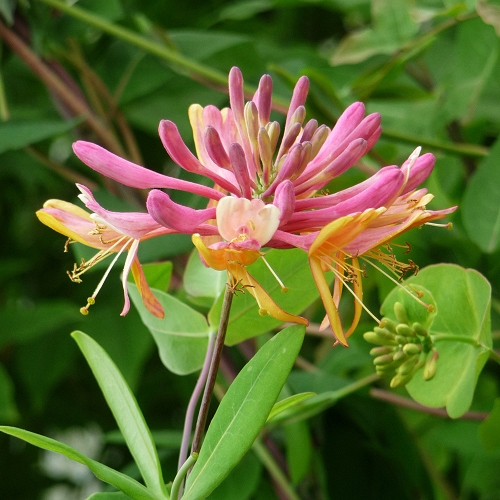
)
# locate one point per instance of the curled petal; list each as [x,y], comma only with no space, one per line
[172,215]
[179,152]
[130,174]
[252,218]
[284,199]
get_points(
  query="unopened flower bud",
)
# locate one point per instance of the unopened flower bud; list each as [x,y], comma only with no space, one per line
[431,366]
[383,360]
[408,366]
[400,313]
[383,333]
[419,329]
[378,351]
[373,338]
[388,324]
[399,355]
[412,349]
[400,380]
[401,340]
[405,330]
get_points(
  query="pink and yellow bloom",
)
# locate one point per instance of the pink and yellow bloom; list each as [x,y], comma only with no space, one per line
[264,194]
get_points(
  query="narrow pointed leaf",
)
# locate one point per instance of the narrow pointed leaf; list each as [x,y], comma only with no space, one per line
[124,483]
[126,411]
[243,411]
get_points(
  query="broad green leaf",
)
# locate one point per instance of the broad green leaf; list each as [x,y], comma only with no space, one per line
[463,300]
[298,449]
[19,134]
[120,481]
[243,411]
[181,336]
[242,481]
[292,267]
[489,430]
[158,275]
[126,411]
[287,403]
[202,281]
[116,495]
[8,409]
[480,208]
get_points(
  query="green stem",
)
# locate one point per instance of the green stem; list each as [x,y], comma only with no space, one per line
[204,73]
[212,372]
[457,149]
[274,470]
[355,386]
[174,492]
[456,338]
[495,356]
[137,40]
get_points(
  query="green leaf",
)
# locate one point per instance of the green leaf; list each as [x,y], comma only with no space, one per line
[23,323]
[287,403]
[181,336]
[489,12]
[489,430]
[480,208]
[292,267]
[202,281]
[242,481]
[461,332]
[116,495]
[120,481]
[298,449]
[8,409]
[158,275]
[19,134]
[243,411]
[126,412]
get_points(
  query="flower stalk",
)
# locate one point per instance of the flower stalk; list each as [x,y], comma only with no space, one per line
[212,372]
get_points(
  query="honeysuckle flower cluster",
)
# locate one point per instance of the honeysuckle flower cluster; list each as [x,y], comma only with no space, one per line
[267,192]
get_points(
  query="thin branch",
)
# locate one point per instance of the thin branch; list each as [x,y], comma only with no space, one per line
[57,85]
[212,373]
[390,397]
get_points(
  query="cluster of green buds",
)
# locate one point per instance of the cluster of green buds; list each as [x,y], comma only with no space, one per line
[402,349]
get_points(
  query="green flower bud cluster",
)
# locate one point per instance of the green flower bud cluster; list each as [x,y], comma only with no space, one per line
[402,349]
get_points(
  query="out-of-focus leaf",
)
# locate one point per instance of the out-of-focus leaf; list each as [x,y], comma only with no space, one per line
[181,336]
[8,408]
[126,411]
[243,411]
[162,439]
[19,134]
[298,449]
[480,208]
[293,269]
[7,8]
[392,27]
[489,11]
[489,430]
[120,481]
[462,297]
[23,323]
[244,10]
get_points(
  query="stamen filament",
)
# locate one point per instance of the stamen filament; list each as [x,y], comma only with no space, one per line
[284,289]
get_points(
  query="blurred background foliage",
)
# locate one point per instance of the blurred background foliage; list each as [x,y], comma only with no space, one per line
[430,67]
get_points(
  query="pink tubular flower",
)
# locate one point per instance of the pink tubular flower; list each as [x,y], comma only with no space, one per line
[265,193]
[239,149]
